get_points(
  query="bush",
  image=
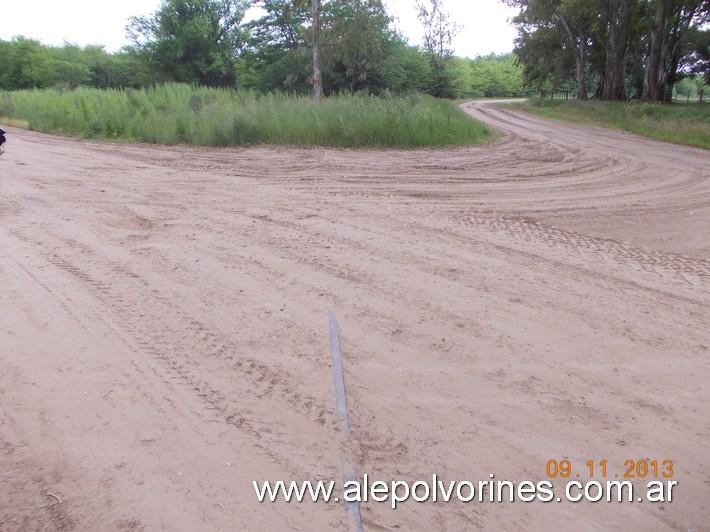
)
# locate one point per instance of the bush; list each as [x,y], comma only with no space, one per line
[176,113]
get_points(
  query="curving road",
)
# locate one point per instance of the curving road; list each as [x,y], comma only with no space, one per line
[163,326]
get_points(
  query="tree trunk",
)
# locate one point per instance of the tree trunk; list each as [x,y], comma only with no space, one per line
[679,21]
[671,23]
[653,65]
[317,74]
[616,46]
[579,43]
[581,58]
[601,87]
[667,71]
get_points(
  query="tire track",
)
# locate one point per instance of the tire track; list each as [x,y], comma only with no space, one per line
[261,381]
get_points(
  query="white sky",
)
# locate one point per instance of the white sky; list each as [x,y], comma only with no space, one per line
[484,22]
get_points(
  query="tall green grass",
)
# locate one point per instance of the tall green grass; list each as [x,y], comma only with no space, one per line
[678,122]
[182,114]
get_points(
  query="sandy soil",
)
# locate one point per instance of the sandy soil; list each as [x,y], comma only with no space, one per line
[164,340]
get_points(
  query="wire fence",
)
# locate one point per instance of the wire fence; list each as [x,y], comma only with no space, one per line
[688,96]
[561,94]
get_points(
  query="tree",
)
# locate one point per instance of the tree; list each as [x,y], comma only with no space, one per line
[697,61]
[282,26]
[278,54]
[439,28]
[317,74]
[71,66]
[544,55]
[193,41]
[439,33]
[405,68]
[577,17]
[204,42]
[672,23]
[574,19]
[647,45]
[356,47]
[25,64]
[357,33]
[317,77]
[616,19]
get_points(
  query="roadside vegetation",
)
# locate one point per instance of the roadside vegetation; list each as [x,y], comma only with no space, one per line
[235,72]
[210,43]
[179,113]
[680,123]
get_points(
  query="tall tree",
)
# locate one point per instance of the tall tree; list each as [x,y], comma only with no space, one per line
[616,19]
[575,18]
[669,42]
[697,61]
[439,28]
[358,38]
[317,72]
[652,77]
[356,47]
[193,41]
[439,32]
[544,55]
[317,75]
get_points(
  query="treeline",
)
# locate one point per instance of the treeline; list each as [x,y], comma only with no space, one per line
[28,64]
[614,49]
[208,43]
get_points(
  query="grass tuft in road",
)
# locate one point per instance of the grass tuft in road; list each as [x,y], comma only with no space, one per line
[680,123]
[182,114]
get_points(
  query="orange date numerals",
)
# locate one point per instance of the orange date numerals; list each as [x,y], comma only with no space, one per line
[642,468]
[646,468]
[599,468]
[561,469]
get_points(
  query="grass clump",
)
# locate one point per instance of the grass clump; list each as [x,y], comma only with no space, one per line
[679,123]
[183,114]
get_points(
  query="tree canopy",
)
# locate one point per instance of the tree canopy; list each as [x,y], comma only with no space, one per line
[193,41]
[612,49]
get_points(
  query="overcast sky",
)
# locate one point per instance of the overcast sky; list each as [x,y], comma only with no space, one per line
[484,22]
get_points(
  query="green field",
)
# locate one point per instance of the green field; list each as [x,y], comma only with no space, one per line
[183,114]
[679,122]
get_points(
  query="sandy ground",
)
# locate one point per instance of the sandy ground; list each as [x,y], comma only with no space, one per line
[164,335]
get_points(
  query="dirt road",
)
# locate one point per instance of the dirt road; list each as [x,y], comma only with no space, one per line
[164,334]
